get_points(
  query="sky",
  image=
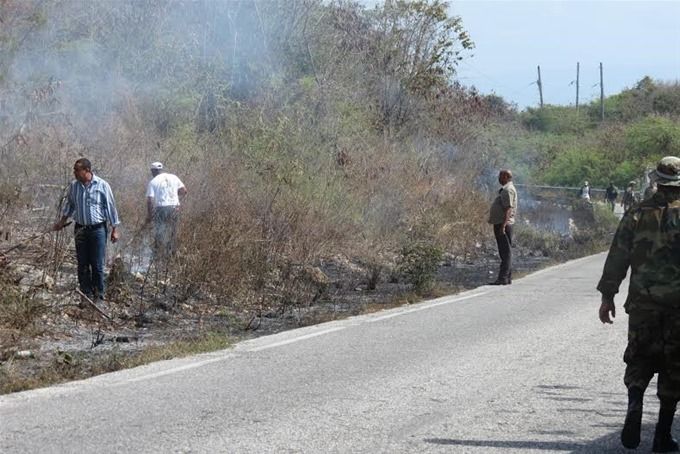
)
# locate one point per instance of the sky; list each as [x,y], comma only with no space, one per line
[631,39]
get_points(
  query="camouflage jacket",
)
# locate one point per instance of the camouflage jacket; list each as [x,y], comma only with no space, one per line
[648,241]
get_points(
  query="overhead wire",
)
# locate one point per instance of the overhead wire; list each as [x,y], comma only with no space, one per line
[521,91]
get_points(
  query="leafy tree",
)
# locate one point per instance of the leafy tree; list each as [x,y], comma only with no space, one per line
[416,46]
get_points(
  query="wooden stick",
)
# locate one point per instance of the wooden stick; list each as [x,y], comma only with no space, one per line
[29,239]
[87,298]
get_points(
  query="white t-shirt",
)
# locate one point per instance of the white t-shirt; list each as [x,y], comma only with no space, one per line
[163,188]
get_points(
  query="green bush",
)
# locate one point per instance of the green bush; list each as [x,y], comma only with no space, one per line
[557,119]
[666,100]
[652,138]
[418,262]
[647,97]
[574,166]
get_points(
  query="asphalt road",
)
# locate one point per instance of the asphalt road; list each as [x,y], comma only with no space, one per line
[521,368]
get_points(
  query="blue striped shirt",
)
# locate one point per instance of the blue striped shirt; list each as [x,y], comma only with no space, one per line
[91,204]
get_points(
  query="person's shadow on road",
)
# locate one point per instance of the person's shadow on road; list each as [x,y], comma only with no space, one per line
[609,443]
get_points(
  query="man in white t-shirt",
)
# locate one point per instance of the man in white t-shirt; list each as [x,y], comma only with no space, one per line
[162,203]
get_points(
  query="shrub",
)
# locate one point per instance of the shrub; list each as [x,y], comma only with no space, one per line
[556,119]
[653,138]
[17,310]
[418,262]
[574,166]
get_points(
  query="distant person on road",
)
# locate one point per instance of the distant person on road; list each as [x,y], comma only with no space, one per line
[650,190]
[89,201]
[584,192]
[628,198]
[648,242]
[611,194]
[502,216]
[162,203]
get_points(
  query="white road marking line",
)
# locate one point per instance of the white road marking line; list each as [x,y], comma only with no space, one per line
[290,341]
[425,306]
[173,370]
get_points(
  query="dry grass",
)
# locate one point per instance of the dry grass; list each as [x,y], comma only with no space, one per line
[64,366]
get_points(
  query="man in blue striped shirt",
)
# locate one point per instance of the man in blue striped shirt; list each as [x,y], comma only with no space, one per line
[90,203]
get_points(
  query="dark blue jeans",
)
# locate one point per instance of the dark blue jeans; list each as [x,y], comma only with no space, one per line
[91,253]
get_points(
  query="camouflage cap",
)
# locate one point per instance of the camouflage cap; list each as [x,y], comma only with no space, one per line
[667,172]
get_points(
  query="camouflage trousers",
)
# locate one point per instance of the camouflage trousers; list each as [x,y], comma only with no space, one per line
[654,347]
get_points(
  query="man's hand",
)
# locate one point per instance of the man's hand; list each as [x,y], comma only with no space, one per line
[606,307]
[60,224]
[114,235]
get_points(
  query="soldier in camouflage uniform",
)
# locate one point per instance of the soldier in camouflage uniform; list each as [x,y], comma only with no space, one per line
[648,241]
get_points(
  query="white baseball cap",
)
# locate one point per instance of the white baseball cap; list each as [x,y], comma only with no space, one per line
[156,165]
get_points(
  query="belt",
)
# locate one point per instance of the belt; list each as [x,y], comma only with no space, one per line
[91,226]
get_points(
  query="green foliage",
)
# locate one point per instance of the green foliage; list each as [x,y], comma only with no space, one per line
[418,262]
[623,172]
[564,148]
[666,99]
[647,97]
[652,138]
[556,119]
[575,165]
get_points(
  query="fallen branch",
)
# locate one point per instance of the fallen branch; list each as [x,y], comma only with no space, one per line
[88,300]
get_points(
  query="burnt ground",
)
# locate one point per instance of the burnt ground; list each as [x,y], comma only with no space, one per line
[48,335]
[69,339]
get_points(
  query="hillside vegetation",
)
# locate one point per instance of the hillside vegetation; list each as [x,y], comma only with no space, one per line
[562,146]
[302,129]
[310,134]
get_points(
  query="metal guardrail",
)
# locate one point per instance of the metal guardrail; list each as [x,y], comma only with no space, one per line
[565,188]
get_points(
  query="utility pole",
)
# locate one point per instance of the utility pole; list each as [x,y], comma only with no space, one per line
[540,86]
[601,95]
[577,74]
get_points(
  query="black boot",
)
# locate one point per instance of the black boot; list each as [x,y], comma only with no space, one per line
[663,441]
[630,435]
[500,281]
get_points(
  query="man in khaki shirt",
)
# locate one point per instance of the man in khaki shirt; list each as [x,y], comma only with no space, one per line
[502,216]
